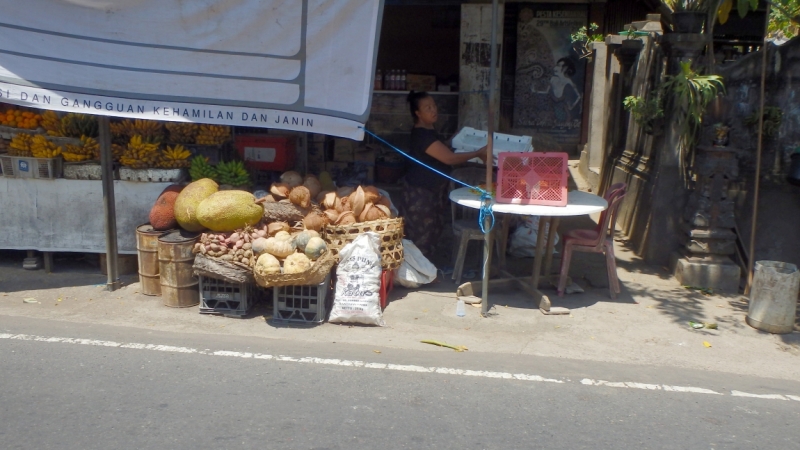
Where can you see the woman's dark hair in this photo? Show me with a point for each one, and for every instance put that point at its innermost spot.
(413, 99)
(569, 65)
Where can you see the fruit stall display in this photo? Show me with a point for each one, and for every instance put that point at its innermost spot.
(136, 144)
(279, 233)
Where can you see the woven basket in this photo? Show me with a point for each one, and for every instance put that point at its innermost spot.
(315, 275)
(389, 230)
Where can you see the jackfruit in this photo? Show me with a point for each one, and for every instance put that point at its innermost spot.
(229, 210)
(188, 200)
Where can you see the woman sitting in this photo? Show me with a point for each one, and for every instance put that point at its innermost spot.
(425, 192)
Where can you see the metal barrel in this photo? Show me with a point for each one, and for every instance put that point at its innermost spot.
(147, 247)
(179, 286)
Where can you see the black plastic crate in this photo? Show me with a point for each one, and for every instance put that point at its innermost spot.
(304, 304)
(226, 298)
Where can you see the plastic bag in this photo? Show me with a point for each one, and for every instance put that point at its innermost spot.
(523, 239)
(358, 282)
(416, 269)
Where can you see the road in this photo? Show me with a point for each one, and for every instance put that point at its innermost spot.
(73, 386)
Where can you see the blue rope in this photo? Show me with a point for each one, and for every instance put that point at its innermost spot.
(486, 197)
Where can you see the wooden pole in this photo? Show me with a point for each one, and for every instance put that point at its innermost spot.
(487, 238)
(109, 205)
(754, 220)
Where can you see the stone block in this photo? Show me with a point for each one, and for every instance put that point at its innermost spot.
(717, 273)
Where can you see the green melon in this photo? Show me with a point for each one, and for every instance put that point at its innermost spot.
(229, 210)
(188, 200)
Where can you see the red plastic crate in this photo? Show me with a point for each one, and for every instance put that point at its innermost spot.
(387, 284)
(532, 178)
(267, 152)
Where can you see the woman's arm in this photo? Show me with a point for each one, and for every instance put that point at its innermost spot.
(441, 152)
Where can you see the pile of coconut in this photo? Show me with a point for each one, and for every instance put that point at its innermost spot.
(342, 206)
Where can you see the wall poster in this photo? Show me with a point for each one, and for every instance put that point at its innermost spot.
(548, 93)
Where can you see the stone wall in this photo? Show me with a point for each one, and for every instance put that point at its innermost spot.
(778, 228)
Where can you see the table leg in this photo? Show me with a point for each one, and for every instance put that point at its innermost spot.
(502, 240)
(48, 262)
(551, 243)
(537, 262)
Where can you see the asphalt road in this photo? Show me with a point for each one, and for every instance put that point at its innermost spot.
(124, 388)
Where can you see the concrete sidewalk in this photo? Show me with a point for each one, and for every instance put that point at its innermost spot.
(647, 324)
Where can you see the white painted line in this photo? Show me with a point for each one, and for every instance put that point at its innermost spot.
(388, 366)
(283, 358)
(650, 387)
(766, 396)
(694, 390)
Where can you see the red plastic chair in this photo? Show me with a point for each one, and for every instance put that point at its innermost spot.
(598, 240)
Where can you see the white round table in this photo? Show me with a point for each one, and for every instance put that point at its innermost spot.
(578, 204)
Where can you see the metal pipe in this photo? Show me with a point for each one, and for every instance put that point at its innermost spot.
(487, 241)
(752, 257)
(109, 207)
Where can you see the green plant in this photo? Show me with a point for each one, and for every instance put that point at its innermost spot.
(773, 116)
(644, 112)
(582, 35)
(691, 93)
(690, 5)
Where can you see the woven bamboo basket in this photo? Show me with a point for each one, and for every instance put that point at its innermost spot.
(315, 275)
(389, 230)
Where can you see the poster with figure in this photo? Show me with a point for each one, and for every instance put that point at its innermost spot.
(548, 94)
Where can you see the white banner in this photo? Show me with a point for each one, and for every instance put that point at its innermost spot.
(304, 65)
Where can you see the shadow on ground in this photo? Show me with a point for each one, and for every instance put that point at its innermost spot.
(69, 270)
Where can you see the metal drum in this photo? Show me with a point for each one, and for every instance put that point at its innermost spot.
(179, 286)
(147, 246)
(773, 297)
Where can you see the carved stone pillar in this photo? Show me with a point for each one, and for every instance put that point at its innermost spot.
(708, 224)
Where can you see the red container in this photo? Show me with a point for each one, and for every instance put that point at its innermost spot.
(533, 178)
(267, 152)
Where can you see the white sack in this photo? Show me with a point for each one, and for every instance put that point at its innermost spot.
(523, 239)
(416, 269)
(357, 298)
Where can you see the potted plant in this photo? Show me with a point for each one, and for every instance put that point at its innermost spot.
(649, 114)
(688, 94)
(721, 133)
(631, 43)
(689, 16)
(583, 37)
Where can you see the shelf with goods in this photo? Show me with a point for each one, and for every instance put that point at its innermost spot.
(53, 145)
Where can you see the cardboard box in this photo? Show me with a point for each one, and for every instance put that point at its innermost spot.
(315, 152)
(416, 82)
(364, 172)
(365, 155)
(316, 167)
(344, 150)
(337, 170)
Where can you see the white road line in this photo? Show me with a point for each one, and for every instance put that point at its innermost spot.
(388, 366)
(766, 396)
(650, 387)
(307, 360)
